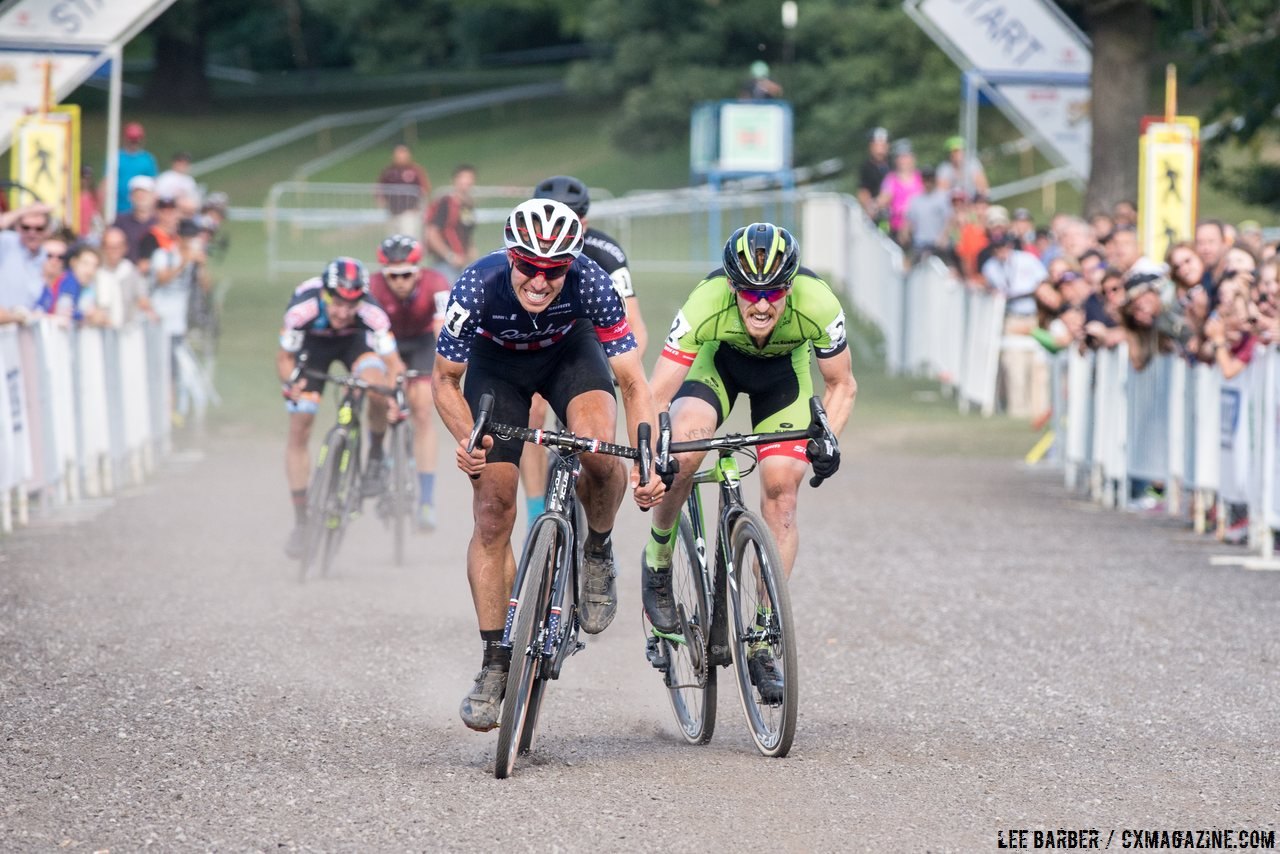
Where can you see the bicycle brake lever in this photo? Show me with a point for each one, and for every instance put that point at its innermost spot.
(665, 466)
(482, 421)
(645, 454)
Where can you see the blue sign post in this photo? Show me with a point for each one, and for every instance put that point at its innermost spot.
(731, 140)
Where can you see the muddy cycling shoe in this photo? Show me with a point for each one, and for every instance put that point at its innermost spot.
(374, 482)
(297, 542)
(763, 670)
(655, 592)
(599, 596)
(481, 708)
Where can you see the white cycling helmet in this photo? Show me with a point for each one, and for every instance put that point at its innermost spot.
(542, 229)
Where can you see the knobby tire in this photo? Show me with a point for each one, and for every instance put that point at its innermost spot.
(525, 662)
(691, 682)
(319, 497)
(759, 571)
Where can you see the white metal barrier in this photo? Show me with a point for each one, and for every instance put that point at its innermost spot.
(82, 411)
(1182, 425)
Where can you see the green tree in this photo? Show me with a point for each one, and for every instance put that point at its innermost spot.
(853, 67)
(1236, 55)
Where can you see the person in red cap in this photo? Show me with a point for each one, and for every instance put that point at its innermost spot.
(133, 160)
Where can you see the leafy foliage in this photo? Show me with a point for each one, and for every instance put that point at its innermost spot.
(852, 67)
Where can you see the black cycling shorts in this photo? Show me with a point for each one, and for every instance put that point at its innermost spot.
(418, 354)
(572, 366)
(324, 351)
(779, 387)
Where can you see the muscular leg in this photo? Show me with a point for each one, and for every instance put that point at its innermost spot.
(691, 418)
(604, 478)
(491, 566)
(533, 460)
(297, 459)
(424, 426)
(376, 411)
(780, 478)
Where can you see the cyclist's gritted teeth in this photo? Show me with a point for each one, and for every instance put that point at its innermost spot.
(536, 293)
(760, 316)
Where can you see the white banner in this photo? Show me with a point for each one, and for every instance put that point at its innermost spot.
(69, 23)
(1002, 37)
(72, 34)
(1060, 115)
(22, 82)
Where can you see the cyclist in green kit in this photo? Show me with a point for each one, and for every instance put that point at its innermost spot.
(749, 328)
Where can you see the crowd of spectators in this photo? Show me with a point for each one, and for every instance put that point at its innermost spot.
(152, 260)
(1080, 282)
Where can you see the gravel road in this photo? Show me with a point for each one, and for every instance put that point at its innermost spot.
(979, 653)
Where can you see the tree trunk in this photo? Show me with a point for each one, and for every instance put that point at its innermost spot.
(1121, 31)
(178, 80)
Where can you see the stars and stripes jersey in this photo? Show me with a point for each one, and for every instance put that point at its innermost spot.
(413, 316)
(606, 252)
(483, 302)
(812, 316)
(307, 316)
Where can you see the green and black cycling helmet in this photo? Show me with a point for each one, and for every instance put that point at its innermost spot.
(567, 190)
(761, 255)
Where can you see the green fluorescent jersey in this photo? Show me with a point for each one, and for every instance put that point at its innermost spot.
(812, 315)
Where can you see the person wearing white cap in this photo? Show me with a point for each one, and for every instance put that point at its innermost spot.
(137, 221)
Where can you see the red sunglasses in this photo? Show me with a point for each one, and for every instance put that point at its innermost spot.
(767, 294)
(530, 269)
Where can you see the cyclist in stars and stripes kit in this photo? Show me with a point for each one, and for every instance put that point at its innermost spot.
(540, 318)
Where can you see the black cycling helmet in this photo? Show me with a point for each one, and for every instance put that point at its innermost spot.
(567, 190)
(345, 278)
(761, 255)
(399, 249)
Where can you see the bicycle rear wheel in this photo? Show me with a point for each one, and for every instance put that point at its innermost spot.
(690, 681)
(402, 492)
(760, 610)
(526, 651)
(319, 500)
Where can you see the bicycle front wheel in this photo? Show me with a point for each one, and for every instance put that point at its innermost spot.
(526, 651)
(760, 609)
(319, 502)
(691, 683)
(345, 500)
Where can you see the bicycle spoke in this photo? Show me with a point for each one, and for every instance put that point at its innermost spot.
(691, 684)
(761, 613)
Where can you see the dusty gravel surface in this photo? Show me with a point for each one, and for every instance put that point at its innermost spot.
(979, 652)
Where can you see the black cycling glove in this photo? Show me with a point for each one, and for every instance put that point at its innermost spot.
(825, 456)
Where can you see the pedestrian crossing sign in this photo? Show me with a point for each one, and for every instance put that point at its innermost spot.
(45, 162)
(1168, 180)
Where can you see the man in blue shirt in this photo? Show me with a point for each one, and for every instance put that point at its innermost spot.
(133, 160)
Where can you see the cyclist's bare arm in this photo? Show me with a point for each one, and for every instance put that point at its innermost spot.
(667, 377)
(842, 389)
(453, 407)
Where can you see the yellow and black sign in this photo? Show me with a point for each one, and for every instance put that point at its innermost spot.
(45, 160)
(1168, 180)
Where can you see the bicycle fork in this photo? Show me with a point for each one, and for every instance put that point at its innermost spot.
(547, 641)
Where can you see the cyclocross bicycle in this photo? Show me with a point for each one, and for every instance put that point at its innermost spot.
(399, 504)
(734, 608)
(334, 495)
(542, 627)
